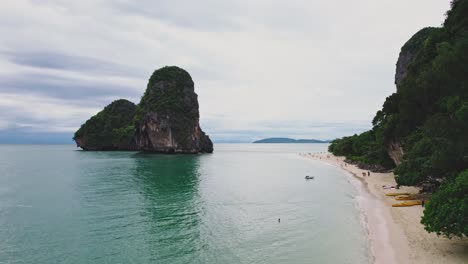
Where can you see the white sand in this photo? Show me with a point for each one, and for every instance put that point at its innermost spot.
(395, 233)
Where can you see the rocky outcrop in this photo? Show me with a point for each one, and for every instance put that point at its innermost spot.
(166, 120)
(404, 60)
(169, 118)
(395, 151)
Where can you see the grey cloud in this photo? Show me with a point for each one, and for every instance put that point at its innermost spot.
(212, 15)
(215, 15)
(60, 61)
(65, 88)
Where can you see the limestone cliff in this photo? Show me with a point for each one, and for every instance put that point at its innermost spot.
(168, 116)
(166, 120)
(408, 53)
(395, 151)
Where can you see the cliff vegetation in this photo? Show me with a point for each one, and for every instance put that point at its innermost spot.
(110, 129)
(427, 119)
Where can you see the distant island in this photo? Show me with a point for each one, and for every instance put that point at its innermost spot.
(290, 140)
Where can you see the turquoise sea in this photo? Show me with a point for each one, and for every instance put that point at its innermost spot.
(62, 205)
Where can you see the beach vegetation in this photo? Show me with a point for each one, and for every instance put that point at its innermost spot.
(447, 211)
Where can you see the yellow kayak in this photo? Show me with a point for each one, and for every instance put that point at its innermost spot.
(406, 197)
(410, 203)
(396, 194)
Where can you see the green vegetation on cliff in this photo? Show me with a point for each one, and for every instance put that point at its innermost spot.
(170, 92)
(428, 117)
(165, 93)
(111, 128)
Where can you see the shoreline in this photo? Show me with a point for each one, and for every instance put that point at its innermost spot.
(395, 234)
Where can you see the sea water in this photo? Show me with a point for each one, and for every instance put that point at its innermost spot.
(245, 203)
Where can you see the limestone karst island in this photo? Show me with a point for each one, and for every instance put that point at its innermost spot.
(333, 132)
(166, 120)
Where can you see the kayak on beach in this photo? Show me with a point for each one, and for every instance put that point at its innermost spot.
(397, 194)
(406, 197)
(404, 204)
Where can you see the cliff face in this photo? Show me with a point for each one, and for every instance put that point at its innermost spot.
(404, 59)
(409, 51)
(395, 151)
(166, 120)
(158, 133)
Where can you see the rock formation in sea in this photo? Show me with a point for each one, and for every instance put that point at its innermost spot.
(168, 117)
(166, 120)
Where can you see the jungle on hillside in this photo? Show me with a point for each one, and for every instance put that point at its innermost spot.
(427, 120)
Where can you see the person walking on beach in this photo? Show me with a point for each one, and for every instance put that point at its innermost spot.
(368, 173)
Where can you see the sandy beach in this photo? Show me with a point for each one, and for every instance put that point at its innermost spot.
(395, 233)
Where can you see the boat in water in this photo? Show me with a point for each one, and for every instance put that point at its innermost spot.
(309, 177)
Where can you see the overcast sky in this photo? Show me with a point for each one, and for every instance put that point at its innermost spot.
(303, 69)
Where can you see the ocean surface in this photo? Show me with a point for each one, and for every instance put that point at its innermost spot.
(62, 205)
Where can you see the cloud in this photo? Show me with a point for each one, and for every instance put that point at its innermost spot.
(65, 62)
(208, 15)
(42, 114)
(261, 68)
(63, 87)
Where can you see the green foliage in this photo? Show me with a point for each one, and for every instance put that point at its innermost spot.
(123, 135)
(418, 39)
(457, 19)
(165, 93)
(447, 211)
(365, 147)
(110, 128)
(428, 115)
